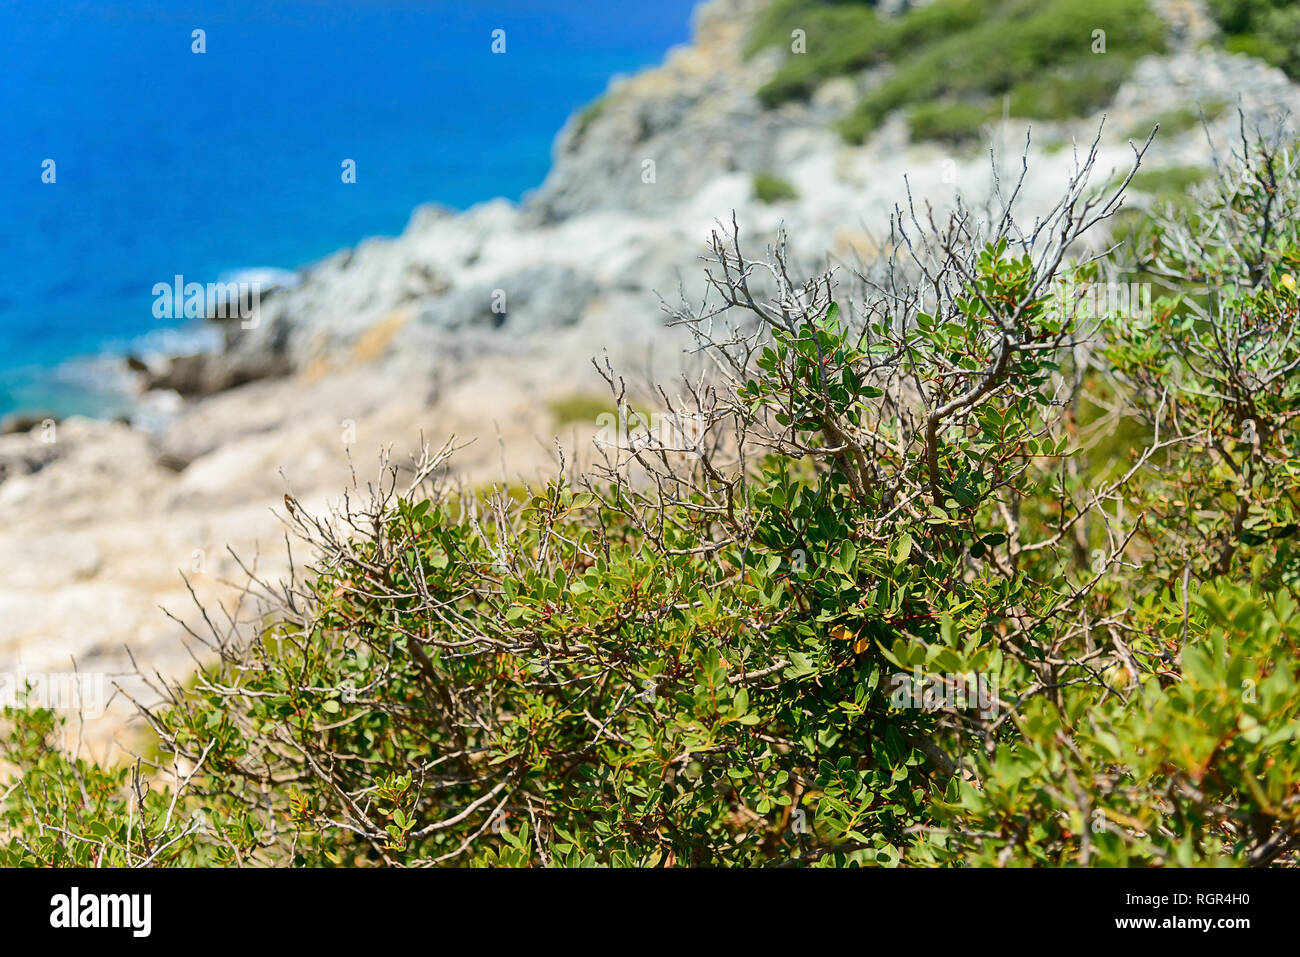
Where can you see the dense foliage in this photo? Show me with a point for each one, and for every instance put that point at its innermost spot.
(952, 62)
(1269, 29)
(896, 596)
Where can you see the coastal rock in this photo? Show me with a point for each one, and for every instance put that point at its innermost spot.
(657, 138)
(532, 300)
(25, 456)
(22, 422)
(205, 374)
(1209, 79)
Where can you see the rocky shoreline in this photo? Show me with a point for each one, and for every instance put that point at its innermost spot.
(480, 324)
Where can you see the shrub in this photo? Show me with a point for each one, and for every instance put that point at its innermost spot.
(1168, 183)
(1040, 53)
(1069, 91)
(589, 114)
(578, 407)
(1180, 120)
(841, 38)
(879, 610)
(773, 189)
(965, 50)
(949, 122)
(1269, 29)
(849, 36)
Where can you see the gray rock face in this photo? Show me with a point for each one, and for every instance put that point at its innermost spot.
(203, 374)
(24, 456)
(1193, 78)
(536, 299)
(657, 138)
(24, 422)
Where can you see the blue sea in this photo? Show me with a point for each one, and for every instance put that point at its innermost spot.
(168, 161)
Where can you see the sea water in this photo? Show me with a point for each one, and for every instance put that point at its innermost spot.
(169, 161)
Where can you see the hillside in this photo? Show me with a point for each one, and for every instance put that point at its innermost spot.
(397, 338)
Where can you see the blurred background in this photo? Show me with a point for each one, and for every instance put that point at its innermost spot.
(172, 162)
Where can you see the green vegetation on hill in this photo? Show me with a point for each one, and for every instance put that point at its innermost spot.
(1180, 120)
(947, 121)
(954, 60)
(578, 407)
(773, 189)
(848, 36)
(1168, 183)
(1268, 29)
(934, 614)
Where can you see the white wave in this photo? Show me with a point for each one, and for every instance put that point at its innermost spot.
(268, 277)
